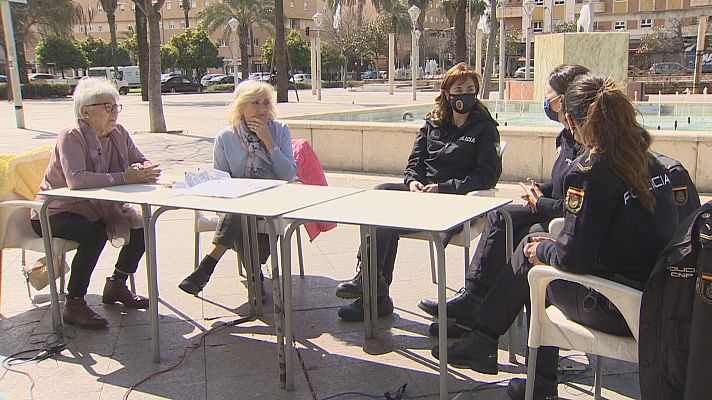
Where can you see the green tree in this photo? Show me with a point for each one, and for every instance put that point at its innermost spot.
(563, 27)
(169, 57)
(98, 53)
(195, 51)
(332, 58)
(215, 17)
(60, 52)
(46, 16)
(130, 44)
(297, 49)
(661, 44)
(372, 39)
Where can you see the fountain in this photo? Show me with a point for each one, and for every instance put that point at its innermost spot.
(660, 106)
(704, 101)
(506, 97)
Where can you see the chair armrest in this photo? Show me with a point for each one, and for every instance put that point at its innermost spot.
(556, 225)
(625, 298)
(31, 204)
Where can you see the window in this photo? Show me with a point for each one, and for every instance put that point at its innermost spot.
(306, 6)
(256, 41)
(99, 7)
(207, 3)
(222, 42)
(81, 28)
(539, 2)
(291, 3)
(294, 23)
(537, 26)
(558, 2)
(646, 23)
(619, 25)
(121, 7)
(182, 24)
(99, 28)
(193, 4)
(171, 25)
(168, 5)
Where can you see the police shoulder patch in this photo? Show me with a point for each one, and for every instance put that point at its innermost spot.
(574, 199)
(679, 194)
(705, 288)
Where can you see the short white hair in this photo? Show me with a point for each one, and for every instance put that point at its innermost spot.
(87, 92)
(247, 91)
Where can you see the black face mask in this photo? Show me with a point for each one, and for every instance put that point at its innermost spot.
(463, 103)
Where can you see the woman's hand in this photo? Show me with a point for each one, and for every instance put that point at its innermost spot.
(530, 249)
(431, 188)
(531, 195)
(139, 173)
(415, 186)
(259, 127)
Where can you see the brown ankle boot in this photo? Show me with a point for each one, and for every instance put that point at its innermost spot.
(78, 313)
(116, 290)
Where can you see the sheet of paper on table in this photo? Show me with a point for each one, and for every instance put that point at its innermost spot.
(231, 188)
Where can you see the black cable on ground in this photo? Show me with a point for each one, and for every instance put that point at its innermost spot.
(186, 352)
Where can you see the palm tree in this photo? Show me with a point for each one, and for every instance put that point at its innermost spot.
(398, 14)
(109, 7)
(50, 16)
(247, 13)
(155, 103)
(186, 10)
(456, 11)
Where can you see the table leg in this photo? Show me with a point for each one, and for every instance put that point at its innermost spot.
(256, 266)
(509, 246)
(47, 240)
(277, 296)
(437, 239)
(149, 237)
(287, 279)
(365, 281)
(373, 274)
(247, 260)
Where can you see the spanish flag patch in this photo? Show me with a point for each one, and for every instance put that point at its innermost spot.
(574, 199)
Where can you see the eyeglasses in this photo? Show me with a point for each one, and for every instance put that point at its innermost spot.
(109, 107)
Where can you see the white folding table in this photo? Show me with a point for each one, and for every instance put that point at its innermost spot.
(371, 209)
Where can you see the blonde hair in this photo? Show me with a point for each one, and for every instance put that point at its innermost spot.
(246, 92)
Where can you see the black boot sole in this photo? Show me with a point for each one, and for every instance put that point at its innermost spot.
(348, 294)
(474, 365)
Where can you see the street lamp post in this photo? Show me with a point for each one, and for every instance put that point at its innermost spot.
(233, 27)
(414, 13)
(528, 7)
(318, 19)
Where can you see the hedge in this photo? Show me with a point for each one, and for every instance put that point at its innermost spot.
(38, 90)
(227, 87)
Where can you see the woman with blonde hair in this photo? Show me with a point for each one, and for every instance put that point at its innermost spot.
(255, 145)
(456, 151)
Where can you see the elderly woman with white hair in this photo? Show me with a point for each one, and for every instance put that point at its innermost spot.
(254, 145)
(96, 152)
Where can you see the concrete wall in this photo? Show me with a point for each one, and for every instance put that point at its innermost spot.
(372, 147)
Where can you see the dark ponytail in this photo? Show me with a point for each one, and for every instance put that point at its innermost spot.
(608, 125)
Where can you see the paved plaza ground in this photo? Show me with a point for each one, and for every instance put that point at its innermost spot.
(240, 362)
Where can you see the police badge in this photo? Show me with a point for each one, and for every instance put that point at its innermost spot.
(705, 288)
(435, 134)
(574, 200)
(679, 193)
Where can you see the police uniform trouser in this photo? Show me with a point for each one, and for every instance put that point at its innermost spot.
(387, 238)
(489, 258)
(511, 292)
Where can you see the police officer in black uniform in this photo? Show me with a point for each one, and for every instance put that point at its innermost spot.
(456, 151)
(544, 202)
(619, 215)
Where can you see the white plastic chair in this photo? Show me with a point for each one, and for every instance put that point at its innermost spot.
(205, 223)
(470, 230)
(550, 327)
(16, 232)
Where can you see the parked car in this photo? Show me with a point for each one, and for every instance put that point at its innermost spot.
(667, 68)
(179, 84)
(3, 79)
(221, 80)
(301, 78)
(369, 75)
(207, 77)
(42, 77)
(521, 72)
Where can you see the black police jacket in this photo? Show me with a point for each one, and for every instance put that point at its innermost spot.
(607, 232)
(459, 160)
(674, 346)
(684, 192)
(551, 204)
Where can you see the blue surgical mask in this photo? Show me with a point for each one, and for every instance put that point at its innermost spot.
(551, 114)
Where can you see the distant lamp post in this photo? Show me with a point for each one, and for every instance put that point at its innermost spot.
(414, 13)
(233, 27)
(318, 19)
(528, 8)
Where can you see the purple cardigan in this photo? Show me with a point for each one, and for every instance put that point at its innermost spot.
(81, 160)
